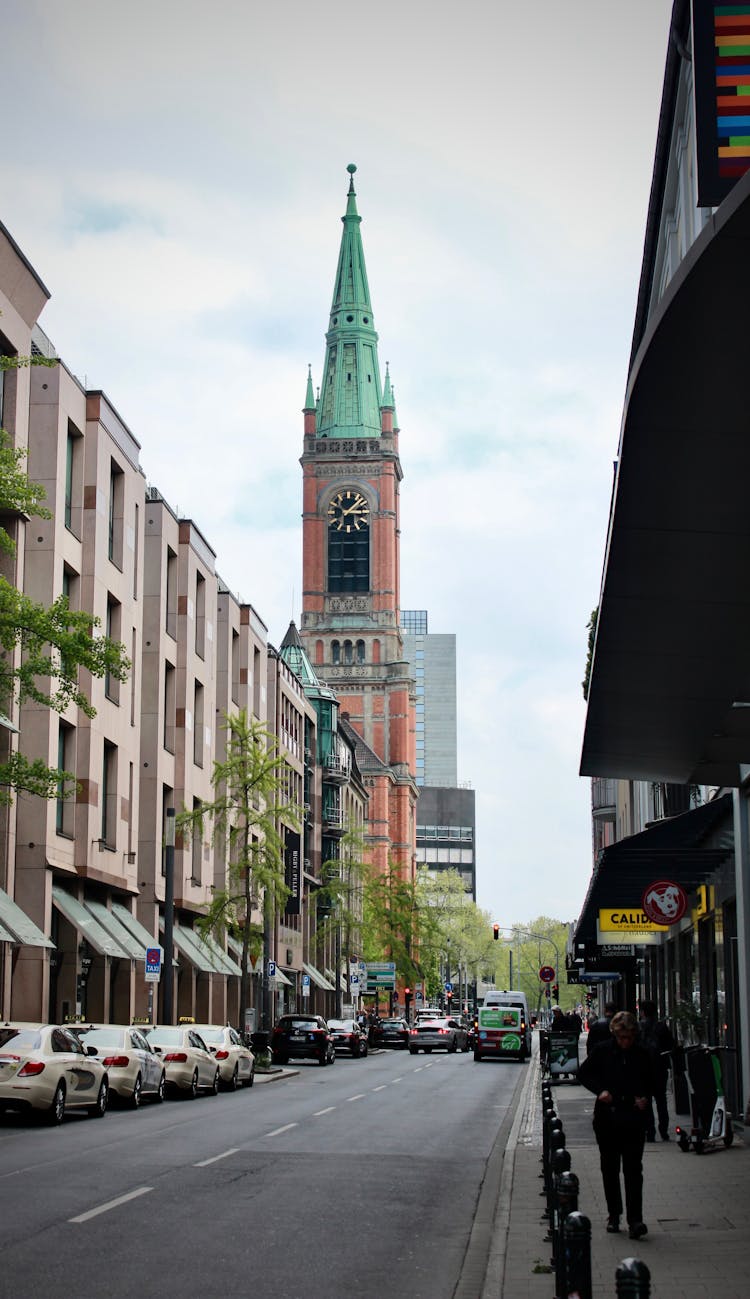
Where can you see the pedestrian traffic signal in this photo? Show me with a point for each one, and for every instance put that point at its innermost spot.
(556, 991)
(495, 932)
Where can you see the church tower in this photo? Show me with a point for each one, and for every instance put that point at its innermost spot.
(350, 553)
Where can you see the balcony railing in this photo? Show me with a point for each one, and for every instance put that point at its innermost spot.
(603, 795)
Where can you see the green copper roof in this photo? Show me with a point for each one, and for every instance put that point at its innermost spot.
(309, 395)
(350, 398)
(293, 653)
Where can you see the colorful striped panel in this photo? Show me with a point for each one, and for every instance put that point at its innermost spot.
(732, 49)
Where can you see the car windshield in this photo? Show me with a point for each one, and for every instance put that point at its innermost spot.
(214, 1035)
(393, 1023)
(167, 1036)
(101, 1037)
(298, 1023)
(342, 1024)
(23, 1039)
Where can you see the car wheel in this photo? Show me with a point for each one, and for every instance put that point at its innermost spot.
(56, 1111)
(135, 1099)
(453, 1046)
(323, 1059)
(477, 1055)
(161, 1090)
(332, 1056)
(364, 1050)
(249, 1081)
(428, 1050)
(192, 1090)
(98, 1110)
(413, 1050)
(234, 1081)
(215, 1084)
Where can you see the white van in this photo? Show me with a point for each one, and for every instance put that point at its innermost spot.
(513, 998)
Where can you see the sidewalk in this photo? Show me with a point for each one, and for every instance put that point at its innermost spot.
(696, 1208)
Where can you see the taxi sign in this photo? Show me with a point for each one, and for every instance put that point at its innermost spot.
(153, 958)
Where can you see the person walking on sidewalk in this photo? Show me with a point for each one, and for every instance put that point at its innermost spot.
(620, 1074)
(599, 1030)
(657, 1038)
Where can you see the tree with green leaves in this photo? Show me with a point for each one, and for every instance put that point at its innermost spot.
(245, 821)
(340, 902)
(42, 648)
(391, 921)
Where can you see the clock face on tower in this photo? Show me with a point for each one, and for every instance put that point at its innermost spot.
(348, 511)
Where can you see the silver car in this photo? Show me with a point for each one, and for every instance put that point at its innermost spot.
(188, 1063)
(236, 1061)
(44, 1067)
(134, 1068)
(438, 1035)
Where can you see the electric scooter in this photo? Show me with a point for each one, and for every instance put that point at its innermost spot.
(712, 1123)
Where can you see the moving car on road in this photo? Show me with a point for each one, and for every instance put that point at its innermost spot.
(439, 1035)
(44, 1067)
(394, 1032)
(348, 1036)
(189, 1065)
(133, 1067)
(236, 1061)
(302, 1037)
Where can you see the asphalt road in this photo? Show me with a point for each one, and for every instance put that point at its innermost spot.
(358, 1179)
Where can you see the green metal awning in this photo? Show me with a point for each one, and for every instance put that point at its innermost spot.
(280, 977)
(196, 951)
(17, 927)
(116, 929)
(134, 926)
(222, 958)
(318, 979)
(84, 921)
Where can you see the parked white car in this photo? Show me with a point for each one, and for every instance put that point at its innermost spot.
(236, 1061)
(133, 1066)
(44, 1067)
(189, 1065)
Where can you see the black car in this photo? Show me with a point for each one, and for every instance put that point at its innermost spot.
(302, 1037)
(394, 1032)
(348, 1036)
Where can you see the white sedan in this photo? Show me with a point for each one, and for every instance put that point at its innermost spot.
(134, 1068)
(236, 1061)
(44, 1067)
(189, 1065)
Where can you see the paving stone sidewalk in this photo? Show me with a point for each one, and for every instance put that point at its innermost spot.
(696, 1208)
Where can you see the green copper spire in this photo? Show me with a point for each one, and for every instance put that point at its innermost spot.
(309, 395)
(387, 392)
(350, 397)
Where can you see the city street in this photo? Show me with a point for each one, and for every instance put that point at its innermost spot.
(362, 1178)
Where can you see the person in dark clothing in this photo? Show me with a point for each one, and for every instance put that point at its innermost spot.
(620, 1074)
(657, 1038)
(599, 1031)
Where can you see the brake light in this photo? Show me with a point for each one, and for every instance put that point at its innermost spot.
(31, 1069)
(176, 1057)
(115, 1062)
(412, 1032)
(222, 1055)
(443, 1030)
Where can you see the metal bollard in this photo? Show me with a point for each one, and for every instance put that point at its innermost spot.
(567, 1203)
(556, 1142)
(576, 1255)
(560, 1165)
(549, 1115)
(632, 1280)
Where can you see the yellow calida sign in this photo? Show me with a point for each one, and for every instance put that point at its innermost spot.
(628, 920)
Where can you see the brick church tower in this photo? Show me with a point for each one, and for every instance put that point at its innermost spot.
(350, 555)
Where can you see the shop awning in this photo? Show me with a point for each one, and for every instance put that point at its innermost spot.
(134, 927)
(686, 849)
(190, 946)
(116, 929)
(669, 695)
(280, 977)
(318, 979)
(83, 920)
(17, 927)
(225, 962)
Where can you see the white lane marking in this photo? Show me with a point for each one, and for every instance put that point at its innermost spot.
(429, 1064)
(359, 1097)
(112, 1204)
(419, 1070)
(328, 1110)
(381, 1088)
(203, 1163)
(393, 1080)
(277, 1131)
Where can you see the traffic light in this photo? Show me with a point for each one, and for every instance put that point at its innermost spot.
(556, 991)
(496, 932)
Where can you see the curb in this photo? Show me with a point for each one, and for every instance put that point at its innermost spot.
(278, 1075)
(495, 1274)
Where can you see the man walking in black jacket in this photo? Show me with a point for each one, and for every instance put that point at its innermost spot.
(620, 1074)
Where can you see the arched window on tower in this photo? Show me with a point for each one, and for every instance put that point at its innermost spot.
(360, 651)
(319, 651)
(348, 658)
(349, 541)
(335, 651)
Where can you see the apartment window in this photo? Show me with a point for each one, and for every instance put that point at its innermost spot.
(198, 726)
(116, 512)
(170, 704)
(171, 601)
(109, 795)
(335, 651)
(73, 480)
(113, 631)
(360, 651)
(197, 845)
(347, 651)
(200, 615)
(235, 666)
(71, 587)
(66, 761)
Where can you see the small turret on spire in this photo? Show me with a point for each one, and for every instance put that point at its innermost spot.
(386, 406)
(310, 406)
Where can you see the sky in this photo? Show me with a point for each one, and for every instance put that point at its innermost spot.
(176, 174)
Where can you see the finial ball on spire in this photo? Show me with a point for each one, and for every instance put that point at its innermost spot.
(351, 168)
